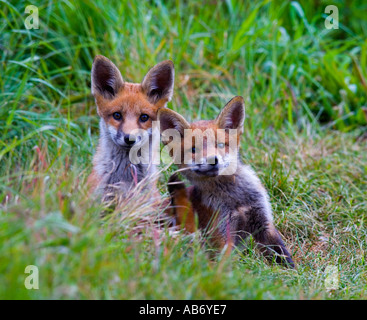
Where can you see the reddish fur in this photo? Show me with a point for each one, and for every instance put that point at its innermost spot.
(131, 101)
(222, 213)
(186, 206)
(184, 213)
(184, 200)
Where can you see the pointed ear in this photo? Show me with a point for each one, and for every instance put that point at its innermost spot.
(169, 119)
(106, 78)
(158, 82)
(233, 115)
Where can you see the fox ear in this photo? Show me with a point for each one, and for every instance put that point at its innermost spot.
(233, 114)
(106, 78)
(169, 119)
(158, 82)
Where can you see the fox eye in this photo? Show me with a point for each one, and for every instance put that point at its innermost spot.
(117, 116)
(144, 117)
(220, 145)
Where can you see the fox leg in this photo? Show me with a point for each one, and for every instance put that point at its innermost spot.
(182, 208)
(270, 241)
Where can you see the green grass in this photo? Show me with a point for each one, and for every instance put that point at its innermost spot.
(305, 135)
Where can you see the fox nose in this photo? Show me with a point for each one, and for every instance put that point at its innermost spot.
(129, 139)
(212, 160)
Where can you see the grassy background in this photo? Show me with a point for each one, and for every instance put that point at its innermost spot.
(305, 134)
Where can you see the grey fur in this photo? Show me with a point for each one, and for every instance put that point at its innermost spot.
(235, 204)
(242, 206)
(114, 172)
(114, 165)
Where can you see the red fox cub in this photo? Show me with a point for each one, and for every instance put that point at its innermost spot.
(229, 204)
(126, 112)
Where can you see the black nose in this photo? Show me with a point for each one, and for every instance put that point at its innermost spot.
(129, 139)
(212, 160)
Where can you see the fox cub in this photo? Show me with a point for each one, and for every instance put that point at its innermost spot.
(229, 204)
(125, 109)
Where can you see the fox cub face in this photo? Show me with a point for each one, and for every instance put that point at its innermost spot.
(128, 109)
(205, 148)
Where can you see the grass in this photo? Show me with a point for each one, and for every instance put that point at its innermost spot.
(305, 135)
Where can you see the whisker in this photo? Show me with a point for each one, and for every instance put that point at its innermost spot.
(188, 168)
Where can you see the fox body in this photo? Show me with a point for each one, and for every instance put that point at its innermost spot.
(229, 206)
(126, 112)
